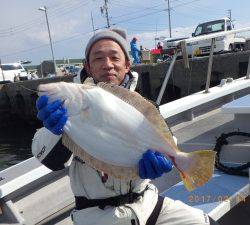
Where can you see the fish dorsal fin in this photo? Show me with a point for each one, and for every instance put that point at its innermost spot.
(143, 106)
(119, 172)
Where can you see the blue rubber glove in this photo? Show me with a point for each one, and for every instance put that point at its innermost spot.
(153, 164)
(53, 115)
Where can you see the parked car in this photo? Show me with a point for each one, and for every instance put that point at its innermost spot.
(225, 43)
(12, 72)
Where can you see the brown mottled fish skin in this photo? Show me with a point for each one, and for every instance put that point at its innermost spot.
(143, 106)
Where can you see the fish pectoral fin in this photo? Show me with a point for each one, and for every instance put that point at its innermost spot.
(199, 170)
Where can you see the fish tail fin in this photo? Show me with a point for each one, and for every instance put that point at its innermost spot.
(199, 169)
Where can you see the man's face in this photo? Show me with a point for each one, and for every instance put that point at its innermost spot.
(107, 62)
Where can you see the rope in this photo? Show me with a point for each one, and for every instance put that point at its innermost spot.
(235, 170)
(29, 89)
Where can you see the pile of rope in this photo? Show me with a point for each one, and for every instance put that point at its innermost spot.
(240, 170)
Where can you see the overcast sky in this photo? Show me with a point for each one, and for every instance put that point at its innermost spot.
(24, 35)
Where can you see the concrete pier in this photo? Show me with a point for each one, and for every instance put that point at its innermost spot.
(183, 82)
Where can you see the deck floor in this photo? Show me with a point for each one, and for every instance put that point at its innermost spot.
(202, 134)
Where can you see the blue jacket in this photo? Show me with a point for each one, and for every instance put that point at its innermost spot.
(133, 46)
(135, 51)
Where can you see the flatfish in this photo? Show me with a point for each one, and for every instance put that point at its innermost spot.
(110, 127)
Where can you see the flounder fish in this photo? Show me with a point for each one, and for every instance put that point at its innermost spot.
(110, 127)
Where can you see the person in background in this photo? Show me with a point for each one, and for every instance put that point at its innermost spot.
(160, 46)
(100, 198)
(81, 75)
(135, 51)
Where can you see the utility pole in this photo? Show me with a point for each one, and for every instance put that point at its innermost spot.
(229, 11)
(169, 19)
(92, 21)
(105, 7)
(44, 9)
(41, 69)
(2, 70)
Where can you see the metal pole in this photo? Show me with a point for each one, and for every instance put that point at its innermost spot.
(169, 20)
(229, 14)
(248, 69)
(51, 47)
(156, 28)
(2, 70)
(92, 21)
(210, 64)
(107, 14)
(164, 84)
(42, 69)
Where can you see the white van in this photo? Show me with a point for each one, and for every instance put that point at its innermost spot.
(12, 72)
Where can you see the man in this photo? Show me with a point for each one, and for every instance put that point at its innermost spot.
(135, 51)
(101, 199)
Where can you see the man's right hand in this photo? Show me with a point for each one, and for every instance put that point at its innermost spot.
(53, 115)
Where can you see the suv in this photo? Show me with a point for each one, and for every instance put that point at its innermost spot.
(12, 72)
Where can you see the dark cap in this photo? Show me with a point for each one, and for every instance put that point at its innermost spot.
(117, 35)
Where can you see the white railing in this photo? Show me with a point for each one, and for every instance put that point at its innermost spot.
(189, 102)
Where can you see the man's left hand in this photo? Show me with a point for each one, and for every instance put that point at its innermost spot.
(153, 164)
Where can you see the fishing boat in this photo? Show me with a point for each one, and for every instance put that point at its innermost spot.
(216, 118)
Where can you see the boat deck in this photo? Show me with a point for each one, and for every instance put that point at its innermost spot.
(201, 133)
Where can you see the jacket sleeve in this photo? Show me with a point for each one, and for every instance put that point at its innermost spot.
(49, 150)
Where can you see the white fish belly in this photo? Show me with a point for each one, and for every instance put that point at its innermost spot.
(113, 131)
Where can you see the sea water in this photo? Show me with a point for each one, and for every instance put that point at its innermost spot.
(15, 142)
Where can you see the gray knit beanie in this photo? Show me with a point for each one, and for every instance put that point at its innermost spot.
(117, 35)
